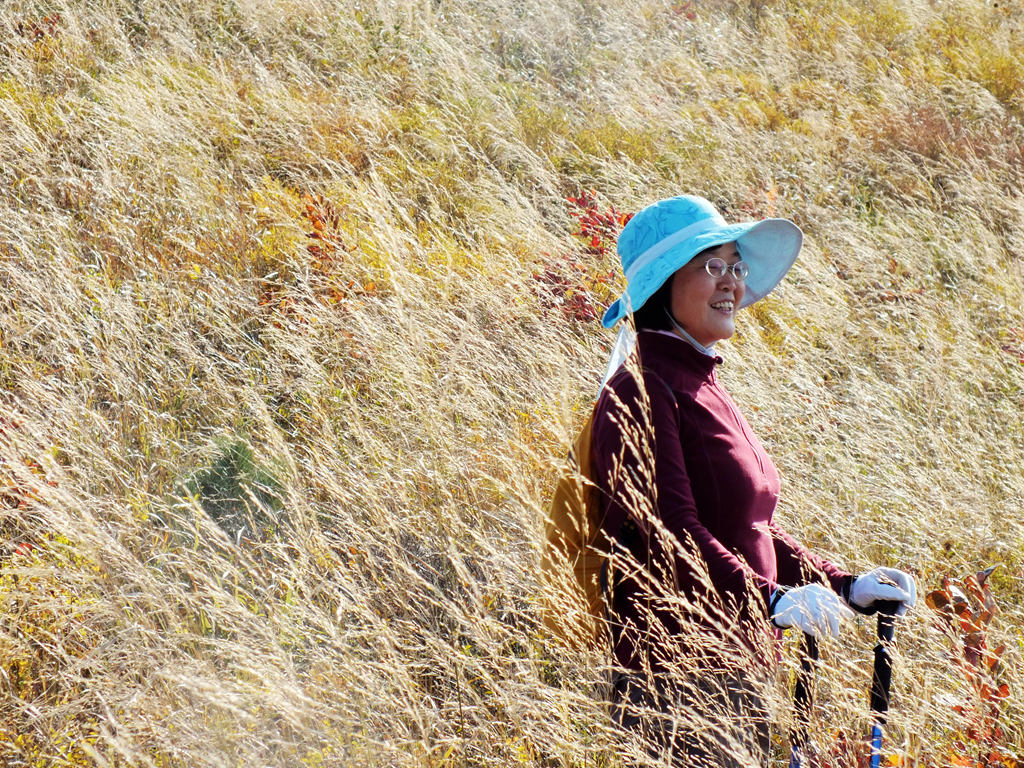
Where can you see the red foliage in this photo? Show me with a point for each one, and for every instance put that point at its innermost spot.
(684, 8)
(326, 234)
(965, 609)
(14, 494)
(597, 230)
(327, 242)
(38, 30)
(18, 491)
(570, 283)
(564, 286)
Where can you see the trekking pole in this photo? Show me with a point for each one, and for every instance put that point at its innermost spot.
(803, 699)
(881, 678)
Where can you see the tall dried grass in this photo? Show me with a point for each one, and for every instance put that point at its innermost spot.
(282, 405)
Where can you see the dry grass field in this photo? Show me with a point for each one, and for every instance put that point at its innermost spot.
(296, 327)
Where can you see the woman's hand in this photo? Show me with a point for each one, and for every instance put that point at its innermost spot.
(879, 585)
(813, 608)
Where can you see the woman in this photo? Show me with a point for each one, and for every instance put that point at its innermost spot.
(697, 566)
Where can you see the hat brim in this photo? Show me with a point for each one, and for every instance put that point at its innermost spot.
(769, 247)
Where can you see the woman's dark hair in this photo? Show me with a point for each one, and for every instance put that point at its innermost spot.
(652, 315)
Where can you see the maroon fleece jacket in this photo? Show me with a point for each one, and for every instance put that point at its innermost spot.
(682, 475)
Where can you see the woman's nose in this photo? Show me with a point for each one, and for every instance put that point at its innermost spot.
(728, 279)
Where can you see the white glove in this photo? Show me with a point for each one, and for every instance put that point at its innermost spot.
(882, 584)
(814, 608)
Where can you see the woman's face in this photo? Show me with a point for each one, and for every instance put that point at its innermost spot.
(703, 305)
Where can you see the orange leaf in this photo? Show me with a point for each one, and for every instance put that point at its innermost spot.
(992, 659)
(975, 585)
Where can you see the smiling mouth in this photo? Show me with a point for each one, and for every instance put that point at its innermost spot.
(724, 306)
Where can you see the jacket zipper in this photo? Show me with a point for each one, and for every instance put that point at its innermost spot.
(739, 424)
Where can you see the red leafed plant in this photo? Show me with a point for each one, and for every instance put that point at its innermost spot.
(572, 284)
(326, 235)
(38, 30)
(684, 8)
(326, 244)
(597, 229)
(965, 608)
(21, 487)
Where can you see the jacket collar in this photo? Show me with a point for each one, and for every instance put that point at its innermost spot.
(674, 359)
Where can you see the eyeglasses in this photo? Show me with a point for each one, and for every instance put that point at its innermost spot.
(717, 268)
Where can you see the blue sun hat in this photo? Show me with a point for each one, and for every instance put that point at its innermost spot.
(664, 236)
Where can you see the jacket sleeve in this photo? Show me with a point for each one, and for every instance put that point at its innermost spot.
(798, 565)
(641, 471)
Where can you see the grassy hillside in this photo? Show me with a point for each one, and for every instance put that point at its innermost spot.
(294, 333)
